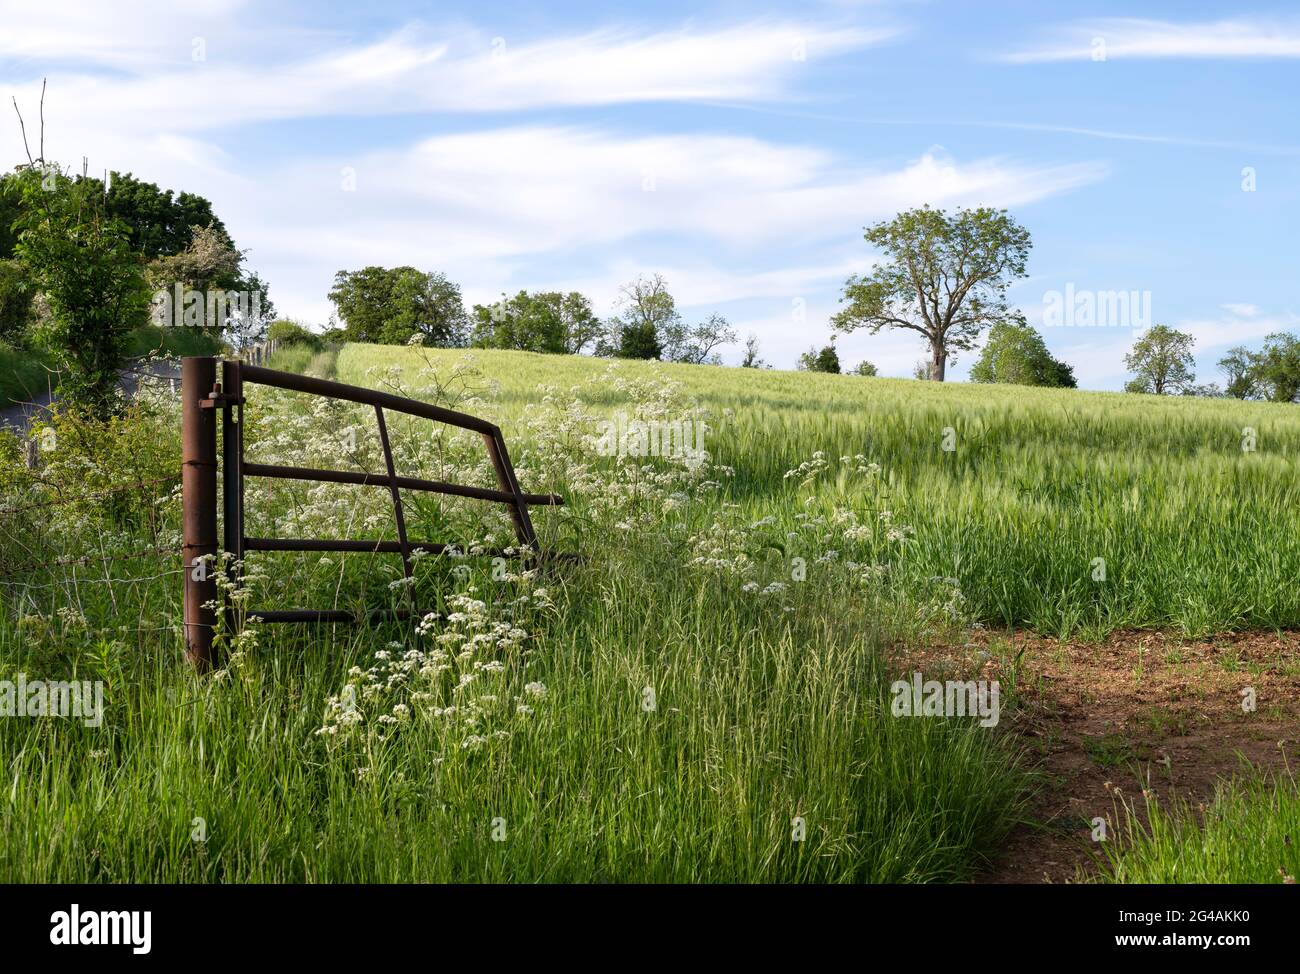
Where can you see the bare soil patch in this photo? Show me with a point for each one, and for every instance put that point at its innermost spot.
(1142, 710)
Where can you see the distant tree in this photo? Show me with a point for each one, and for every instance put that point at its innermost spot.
(1276, 368)
(428, 305)
(288, 332)
(648, 325)
(825, 360)
(639, 342)
(392, 305)
(695, 344)
(865, 368)
(208, 262)
(944, 277)
(1238, 366)
(334, 333)
(581, 325)
(751, 359)
(645, 308)
(1209, 390)
(253, 283)
(1016, 354)
(210, 265)
(543, 321)
(1162, 359)
(81, 258)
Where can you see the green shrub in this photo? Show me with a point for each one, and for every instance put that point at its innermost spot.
(15, 302)
(291, 333)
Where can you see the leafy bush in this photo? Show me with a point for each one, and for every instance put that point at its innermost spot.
(16, 296)
(81, 258)
(287, 332)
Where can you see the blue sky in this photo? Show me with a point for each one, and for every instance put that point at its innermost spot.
(738, 149)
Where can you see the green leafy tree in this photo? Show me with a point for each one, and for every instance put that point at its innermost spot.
(1277, 367)
(391, 305)
(866, 368)
(15, 302)
(11, 196)
(1162, 359)
(208, 262)
(695, 344)
(639, 341)
(824, 360)
(944, 277)
(81, 258)
(161, 222)
(288, 332)
(1016, 354)
(209, 265)
(1238, 367)
(543, 321)
(645, 311)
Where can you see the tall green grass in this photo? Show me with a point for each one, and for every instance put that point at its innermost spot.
(1197, 534)
(690, 730)
(1250, 833)
(768, 752)
(754, 727)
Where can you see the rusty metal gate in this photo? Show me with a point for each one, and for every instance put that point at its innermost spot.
(203, 395)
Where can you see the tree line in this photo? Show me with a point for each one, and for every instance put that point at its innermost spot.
(82, 259)
(400, 305)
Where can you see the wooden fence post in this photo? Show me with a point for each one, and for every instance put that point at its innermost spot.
(199, 506)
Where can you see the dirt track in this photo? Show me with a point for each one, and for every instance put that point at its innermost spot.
(1142, 710)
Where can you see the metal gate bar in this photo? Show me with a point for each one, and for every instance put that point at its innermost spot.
(202, 395)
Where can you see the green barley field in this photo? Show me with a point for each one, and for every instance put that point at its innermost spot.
(702, 696)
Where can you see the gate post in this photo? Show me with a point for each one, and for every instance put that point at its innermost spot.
(199, 506)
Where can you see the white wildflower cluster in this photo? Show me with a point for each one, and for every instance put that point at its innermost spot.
(632, 494)
(809, 470)
(725, 548)
(459, 679)
(860, 536)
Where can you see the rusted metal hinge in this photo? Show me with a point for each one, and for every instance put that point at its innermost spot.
(219, 400)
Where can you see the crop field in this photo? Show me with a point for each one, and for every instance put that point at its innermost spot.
(705, 694)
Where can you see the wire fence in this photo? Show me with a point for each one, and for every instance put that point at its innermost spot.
(65, 578)
(30, 587)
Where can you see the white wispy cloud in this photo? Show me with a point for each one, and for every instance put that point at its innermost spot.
(480, 205)
(129, 36)
(734, 221)
(1240, 324)
(411, 70)
(1128, 37)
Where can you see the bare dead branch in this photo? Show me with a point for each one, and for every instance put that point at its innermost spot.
(24, 131)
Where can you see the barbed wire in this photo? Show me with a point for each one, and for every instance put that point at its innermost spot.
(90, 559)
(91, 580)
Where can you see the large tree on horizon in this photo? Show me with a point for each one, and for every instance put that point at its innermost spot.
(944, 277)
(1162, 359)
